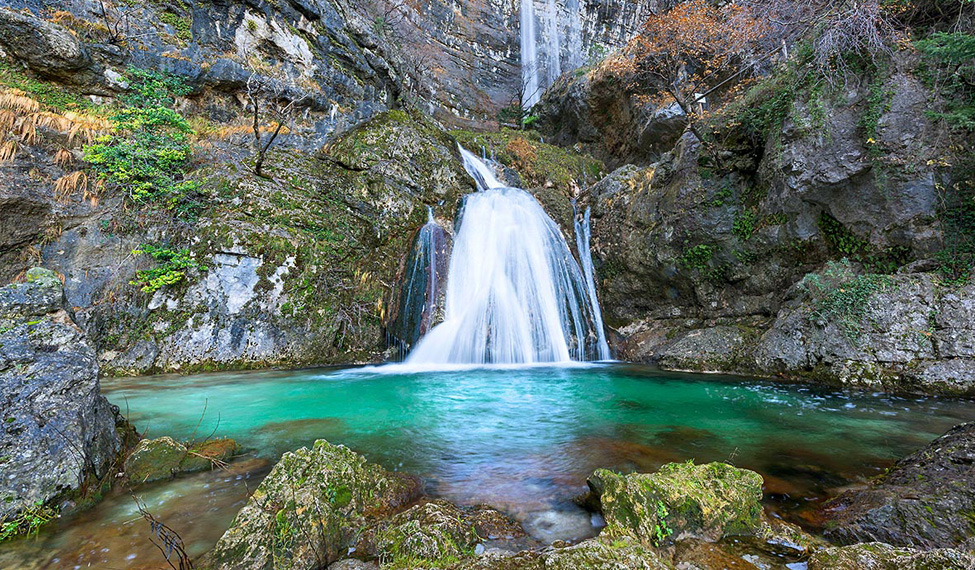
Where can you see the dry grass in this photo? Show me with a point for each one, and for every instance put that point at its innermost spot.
(22, 115)
(63, 157)
(8, 150)
(69, 184)
(17, 100)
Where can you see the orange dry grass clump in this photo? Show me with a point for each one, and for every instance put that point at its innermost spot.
(22, 116)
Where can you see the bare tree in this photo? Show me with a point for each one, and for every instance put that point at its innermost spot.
(270, 103)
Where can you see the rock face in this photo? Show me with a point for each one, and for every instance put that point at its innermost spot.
(924, 501)
(680, 501)
(49, 49)
(880, 556)
(733, 259)
(307, 511)
(58, 431)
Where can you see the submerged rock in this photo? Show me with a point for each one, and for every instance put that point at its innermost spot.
(879, 556)
(307, 512)
(926, 500)
(162, 458)
(58, 430)
(154, 459)
(681, 500)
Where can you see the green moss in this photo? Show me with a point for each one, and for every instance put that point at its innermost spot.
(55, 96)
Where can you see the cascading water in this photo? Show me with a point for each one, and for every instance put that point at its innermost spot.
(423, 281)
(515, 294)
(585, 257)
(529, 56)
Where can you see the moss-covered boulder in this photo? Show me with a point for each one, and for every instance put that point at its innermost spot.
(154, 459)
(306, 513)
(203, 456)
(880, 556)
(681, 500)
(432, 535)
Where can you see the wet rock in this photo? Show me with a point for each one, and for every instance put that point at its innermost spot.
(681, 500)
(705, 350)
(154, 459)
(699, 555)
(48, 49)
(309, 509)
(880, 556)
(926, 500)
(208, 454)
(57, 430)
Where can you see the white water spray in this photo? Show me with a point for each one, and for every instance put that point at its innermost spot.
(515, 294)
(585, 256)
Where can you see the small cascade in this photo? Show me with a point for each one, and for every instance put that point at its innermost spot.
(514, 294)
(420, 295)
(529, 56)
(585, 257)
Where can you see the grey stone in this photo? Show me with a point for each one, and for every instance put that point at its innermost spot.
(57, 430)
(48, 49)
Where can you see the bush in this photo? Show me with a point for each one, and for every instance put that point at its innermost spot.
(171, 268)
(841, 296)
(148, 153)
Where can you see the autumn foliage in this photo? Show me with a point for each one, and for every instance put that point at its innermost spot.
(692, 51)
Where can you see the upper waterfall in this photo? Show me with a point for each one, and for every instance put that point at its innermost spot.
(514, 294)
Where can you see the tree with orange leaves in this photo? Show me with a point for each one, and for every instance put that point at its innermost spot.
(693, 50)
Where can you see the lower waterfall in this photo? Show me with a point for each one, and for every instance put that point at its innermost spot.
(514, 294)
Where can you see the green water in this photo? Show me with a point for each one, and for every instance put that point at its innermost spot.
(526, 439)
(522, 440)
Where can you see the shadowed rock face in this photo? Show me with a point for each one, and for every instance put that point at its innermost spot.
(925, 501)
(57, 428)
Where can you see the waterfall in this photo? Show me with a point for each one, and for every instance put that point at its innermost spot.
(553, 50)
(422, 285)
(514, 293)
(529, 56)
(585, 256)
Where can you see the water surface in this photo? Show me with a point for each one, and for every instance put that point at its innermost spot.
(522, 440)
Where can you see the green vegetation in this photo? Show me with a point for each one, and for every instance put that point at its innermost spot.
(539, 164)
(56, 97)
(697, 257)
(660, 529)
(147, 155)
(951, 71)
(28, 522)
(746, 222)
(182, 25)
(841, 296)
(171, 268)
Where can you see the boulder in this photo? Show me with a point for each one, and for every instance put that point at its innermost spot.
(154, 459)
(435, 534)
(880, 556)
(58, 431)
(681, 500)
(307, 512)
(48, 49)
(926, 500)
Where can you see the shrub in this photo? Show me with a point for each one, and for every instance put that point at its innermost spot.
(841, 296)
(171, 268)
(149, 150)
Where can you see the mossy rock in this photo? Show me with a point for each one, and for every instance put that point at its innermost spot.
(43, 277)
(681, 500)
(432, 535)
(881, 556)
(204, 456)
(154, 459)
(308, 511)
(622, 553)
